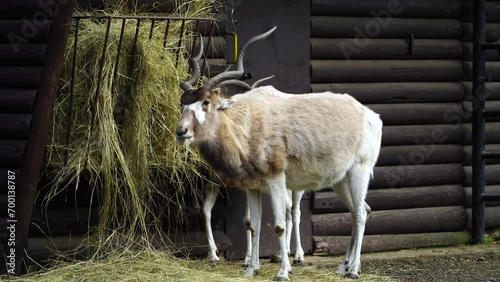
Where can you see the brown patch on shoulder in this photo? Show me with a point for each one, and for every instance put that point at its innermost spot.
(194, 95)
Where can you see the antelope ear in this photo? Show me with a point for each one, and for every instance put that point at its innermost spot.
(225, 104)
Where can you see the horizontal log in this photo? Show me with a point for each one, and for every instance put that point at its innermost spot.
(400, 8)
(491, 175)
(369, 27)
(20, 77)
(420, 113)
(403, 221)
(17, 100)
(325, 71)
(12, 152)
(492, 32)
(337, 245)
(427, 134)
(406, 175)
(14, 126)
(488, 147)
(4, 172)
(397, 92)
(491, 189)
(492, 70)
(24, 32)
(492, 90)
(14, 9)
(421, 154)
(491, 217)
(22, 55)
(349, 48)
(398, 198)
(492, 12)
(489, 54)
(492, 133)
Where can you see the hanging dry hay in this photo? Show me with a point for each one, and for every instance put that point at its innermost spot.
(123, 131)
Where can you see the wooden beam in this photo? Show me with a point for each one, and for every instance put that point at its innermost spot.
(491, 175)
(417, 175)
(328, 71)
(44, 104)
(17, 100)
(12, 152)
(397, 92)
(368, 28)
(20, 77)
(488, 147)
(17, 32)
(491, 218)
(422, 154)
(397, 198)
(402, 221)
(492, 133)
(490, 189)
(421, 113)
(400, 8)
(489, 54)
(492, 31)
(348, 48)
(427, 134)
(337, 245)
(14, 126)
(492, 12)
(492, 90)
(25, 55)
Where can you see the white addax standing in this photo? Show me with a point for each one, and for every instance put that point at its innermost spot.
(267, 141)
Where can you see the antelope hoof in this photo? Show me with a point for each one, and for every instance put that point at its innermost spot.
(252, 272)
(352, 275)
(298, 262)
(275, 259)
(342, 268)
(213, 262)
(281, 278)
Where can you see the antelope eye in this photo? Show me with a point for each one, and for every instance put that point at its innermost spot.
(206, 102)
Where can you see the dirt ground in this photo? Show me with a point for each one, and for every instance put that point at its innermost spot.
(458, 263)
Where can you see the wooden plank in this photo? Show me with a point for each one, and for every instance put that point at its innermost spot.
(14, 126)
(489, 54)
(20, 77)
(402, 221)
(25, 55)
(492, 70)
(368, 27)
(17, 100)
(488, 147)
(491, 175)
(492, 12)
(350, 48)
(12, 153)
(491, 217)
(397, 92)
(400, 8)
(397, 198)
(44, 103)
(492, 133)
(421, 154)
(490, 189)
(492, 32)
(327, 71)
(337, 245)
(15, 9)
(18, 32)
(406, 175)
(492, 90)
(423, 134)
(420, 113)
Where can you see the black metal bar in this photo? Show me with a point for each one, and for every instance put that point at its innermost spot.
(412, 44)
(120, 41)
(478, 122)
(158, 18)
(165, 37)
(491, 155)
(181, 34)
(71, 93)
(152, 28)
(195, 38)
(98, 90)
(209, 41)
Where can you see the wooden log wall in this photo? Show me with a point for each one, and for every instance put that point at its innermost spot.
(409, 61)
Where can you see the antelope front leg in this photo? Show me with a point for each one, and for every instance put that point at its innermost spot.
(255, 209)
(210, 199)
(280, 202)
(299, 252)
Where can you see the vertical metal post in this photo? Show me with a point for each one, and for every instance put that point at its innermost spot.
(478, 122)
